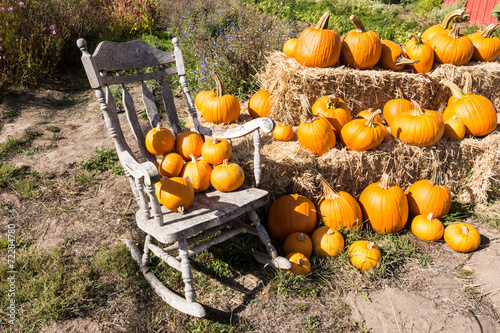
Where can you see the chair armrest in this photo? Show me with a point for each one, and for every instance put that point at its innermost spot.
(138, 170)
(265, 124)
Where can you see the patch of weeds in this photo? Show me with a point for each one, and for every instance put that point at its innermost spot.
(302, 307)
(282, 282)
(492, 221)
(310, 323)
(209, 325)
(360, 327)
(17, 145)
(425, 260)
(86, 176)
(56, 138)
(9, 114)
(102, 160)
(219, 268)
(53, 129)
(21, 181)
(464, 273)
(458, 212)
(9, 173)
(70, 241)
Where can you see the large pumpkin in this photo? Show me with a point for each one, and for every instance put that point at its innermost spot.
(475, 111)
(462, 237)
(361, 48)
(416, 48)
(445, 25)
(289, 47)
(339, 210)
(395, 106)
(452, 47)
(291, 213)
(364, 255)
(260, 104)
(159, 140)
(384, 206)
(421, 128)
(175, 193)
(486, 47)
(298, 242)
(427, 227)
(318, 46)
(227, 177)
(334, 109)
(215, 151)
(202, 97)
(361, 134)
(222, 108)
(392, 56)
(198, 172)
(188, 143)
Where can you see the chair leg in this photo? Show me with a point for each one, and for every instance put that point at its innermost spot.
(187, 276)
(147, 252)
(272, 259)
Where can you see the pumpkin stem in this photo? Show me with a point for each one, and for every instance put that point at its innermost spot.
(158, 127)
(455, 90)
(371, 245)
(405, 61)
(455, 32)
(430, 217)
(221, 91)
(332, 101)
(193, 159)
(360, 28)
(399, 92)
(330, 193)
(418, 40)
(304, 102)
(300, 237)
(371, 121)
(214, 141)
(436, 176)
(465, 230)
(416, 109)
(180, 209)
(323, 21)
(330, 232)
(448, 20)
(489, 30)
(225, 162)
(468, 84)
(384, 181)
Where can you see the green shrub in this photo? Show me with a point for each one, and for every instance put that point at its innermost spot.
(129, 17)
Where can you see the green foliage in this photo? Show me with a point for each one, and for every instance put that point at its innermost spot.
(438, 13)
(129, 17)
(53, 129)
(9, 114)
(17, 145)
(458, 213)
(310, 323)
(102, 160)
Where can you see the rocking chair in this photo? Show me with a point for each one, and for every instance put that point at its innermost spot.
(212, 211)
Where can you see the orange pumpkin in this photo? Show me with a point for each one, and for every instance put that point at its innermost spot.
(283, 132)
(175, 193)
(392, 56)
(159, 140)
(227, 177)
(216, 150)
(291, 213)
(198, 172)
(421, 128)
(367, 114)
(188, 143)
(384, 206)
(486, 47)
(445, 25)
(395, 106)
(454, 128)
(327, 242)
(298, 242)
(289, 47)
(221, 109)
(300, 263)
(364, 255)
(338, 210)
(202, 97)
(318, 46)
(362, 134)
(452, 47)
(467, 89)
(171, 165)
(427, 228)
(416, 48)
(360, 48)
(334, 109)
(462, 237)
(475, 111)
(260, 104)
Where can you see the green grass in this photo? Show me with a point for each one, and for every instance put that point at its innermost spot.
(103, 160)
(53, 129)
(9, 114)
(18, 145)
(21, 181)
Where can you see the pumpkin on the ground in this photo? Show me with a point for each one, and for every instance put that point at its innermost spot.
(462, 237)
(300, 263)
(427, 227)
(198, 172)
(221, 108)
(298, 242)
(362, 135)
(159, 140)
(365, 255)
(327, 242)
(334, 109)
(291, 213)
(227, 177)
(215, 151)
(283, 132)
(175, 193)
(361, 48)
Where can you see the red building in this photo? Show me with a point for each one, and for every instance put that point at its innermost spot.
(479, 10)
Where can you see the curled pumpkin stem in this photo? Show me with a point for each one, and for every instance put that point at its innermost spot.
(330, 193)
(418, 40)
(330, 232)
(371, 121)
(221, 91)
(360, 28)
(323, 21)
(384, 181)
(448, 20)
(489, 30)
(468, 84)
(180, 209)
(455, 90)
(416, 109)
(306, 106)
(405, 61)
(455, 32)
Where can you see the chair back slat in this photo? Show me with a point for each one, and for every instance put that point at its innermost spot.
(113, 123)
(114, 56)
(168, 101)
(148, 100)
(128, 104)
(138, 77)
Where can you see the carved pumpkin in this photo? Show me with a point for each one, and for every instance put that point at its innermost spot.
(421, 128)
(283, 132)
(316, 135)
(300, 264)
(454, 128)
(462, 237)
(327, 242)
(175, 193)
(334, 109)
(298, 242)
(445, 25)
(364, 255)
(416, 48)
(289, 47)
(227, 177)
(215, 151)
(188, 143)
(202, 97)
(260, 104)
(338, 210)
(429, 196)
(385, 207)
(171, 165)
(475, 111)
(360, 48)
(361, 134)
(452, 47)
(427, 228)
(291, 213)
(367, 114)
(198, 172)
(486, 47)
(159, 140)
(392, 56)
(318, 46)
(395, 106)
(221, 109)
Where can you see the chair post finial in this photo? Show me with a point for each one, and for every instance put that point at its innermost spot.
(82, 45)
(175, 41)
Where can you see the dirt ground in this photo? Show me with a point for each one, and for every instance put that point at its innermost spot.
(432, 298)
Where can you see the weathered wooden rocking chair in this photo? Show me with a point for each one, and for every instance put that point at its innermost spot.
(212, 211)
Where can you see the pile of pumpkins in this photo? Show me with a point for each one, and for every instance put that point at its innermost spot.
(192, 167)
(292, 218)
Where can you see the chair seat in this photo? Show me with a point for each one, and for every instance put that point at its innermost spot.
(209, 209)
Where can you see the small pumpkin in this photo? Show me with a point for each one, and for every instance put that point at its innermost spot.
(392, 56)
(367, 114)
(289, 47)
(221, 109)
(339, 210)
(187, 144)
(198, 172)
(361, 134)
(452, 47)
(283, 132)
(395, 106)
(171, 165)
(421, 128)
(427, 228)
(291, 213)
(318, 46)
(300, 264)
(327, 242)
(334, 109)
(365, 255)
(445, 25)
(384, 206)
(462, 237)
(361, 48)
(317, 135)
(486, 47)
(416, 48)
(298, 242)
(202, 97)
(215, 151)
(454, 128)
(260, 104)
(175, 193)
(159, 140)
(227, 177)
